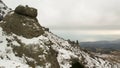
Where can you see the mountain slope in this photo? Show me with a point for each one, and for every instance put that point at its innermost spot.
(3, 9)
(42, 48)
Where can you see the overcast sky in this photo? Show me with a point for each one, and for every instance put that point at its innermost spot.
(85, 20)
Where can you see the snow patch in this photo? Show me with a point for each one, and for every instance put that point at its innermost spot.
(12, 64)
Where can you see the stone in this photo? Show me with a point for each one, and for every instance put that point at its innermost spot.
(27, 11)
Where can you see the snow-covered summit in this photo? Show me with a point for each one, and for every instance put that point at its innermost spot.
(46, 50)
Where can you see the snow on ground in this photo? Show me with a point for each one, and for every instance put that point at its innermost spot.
(12, 64)
(64, 49)
(6, 51)
(65, 52)
(3, 42)
(4, 9)
(65, 55)
(34, 40)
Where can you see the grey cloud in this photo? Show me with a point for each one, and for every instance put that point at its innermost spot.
(74, 12)
(84, 36)
(86, 27)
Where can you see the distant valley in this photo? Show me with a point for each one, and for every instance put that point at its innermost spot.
(109, 50)
(102, 46)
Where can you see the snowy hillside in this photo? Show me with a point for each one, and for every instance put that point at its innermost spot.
(19, 48)
(66, 53)
(3, 9)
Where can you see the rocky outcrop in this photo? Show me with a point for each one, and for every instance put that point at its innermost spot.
(23, 22)
(27, 11)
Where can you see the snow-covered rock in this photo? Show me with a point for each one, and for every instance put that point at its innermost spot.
(3, 9)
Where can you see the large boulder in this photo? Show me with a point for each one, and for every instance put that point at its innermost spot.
(25, 10)
(22, 24)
